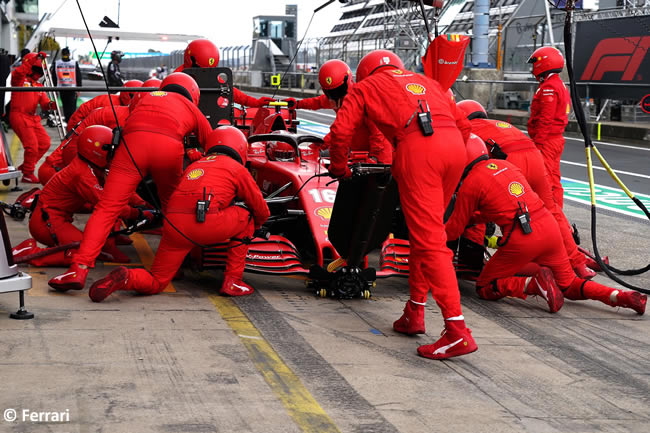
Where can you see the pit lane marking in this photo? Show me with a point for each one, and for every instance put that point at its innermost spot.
(287, 387)
(612, 199)
(147, 255)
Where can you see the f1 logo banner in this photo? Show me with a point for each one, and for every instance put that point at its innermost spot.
(614, 51)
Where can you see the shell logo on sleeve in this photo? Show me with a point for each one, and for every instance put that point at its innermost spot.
(516, 189)
(503, 125)
(195, 174)
(416, 89)
(97, 144)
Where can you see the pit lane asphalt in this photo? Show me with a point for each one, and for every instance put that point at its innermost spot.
(184, 362)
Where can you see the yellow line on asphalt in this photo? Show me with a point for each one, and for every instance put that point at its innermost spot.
(146, 255)
(299, 403)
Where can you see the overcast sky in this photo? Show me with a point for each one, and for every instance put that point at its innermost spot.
(225, 22)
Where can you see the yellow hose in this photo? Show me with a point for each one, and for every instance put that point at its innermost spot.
(590, 172)
(612, 173)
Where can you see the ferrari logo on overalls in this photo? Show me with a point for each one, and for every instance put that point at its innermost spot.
(504, 125)
(97, 144)
(158, 93)
(416, 89)
(211, 157)
(516, 189)
(324, 212)
(195, 174)
(398, 71)
(328, 80)
(492, 166)
(211, 61)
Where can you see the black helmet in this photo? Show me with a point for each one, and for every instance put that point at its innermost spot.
(117, 55)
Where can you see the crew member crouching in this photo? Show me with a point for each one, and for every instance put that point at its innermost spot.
(201, 210)
(69, 192)
(498, 190)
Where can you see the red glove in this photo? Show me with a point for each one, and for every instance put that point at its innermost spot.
(264, 100)
(149, 215)
(42, 55)
(194, 155)
(337, 173)
(292, 102)
(51, 105)
(326, 142)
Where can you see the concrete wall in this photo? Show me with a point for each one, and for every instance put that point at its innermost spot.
(481, 92)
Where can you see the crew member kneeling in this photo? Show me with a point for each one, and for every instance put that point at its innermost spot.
(216, 180)
(500, 193)
(69, 192)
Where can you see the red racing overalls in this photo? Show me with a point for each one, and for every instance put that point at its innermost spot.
(495, 188)
(67, 193)
(549, 116)
(154, 136)
(221, 178)
(87, 107)
(427, 169)
(23, 118)
(524, 155)
(367, 137)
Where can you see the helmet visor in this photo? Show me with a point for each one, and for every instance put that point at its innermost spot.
(338, 92)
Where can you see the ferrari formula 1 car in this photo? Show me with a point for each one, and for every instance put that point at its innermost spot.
(304, 202)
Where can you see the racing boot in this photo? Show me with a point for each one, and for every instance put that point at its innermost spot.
(73, 279)
(543, 284)
(583, 271)
(116, 280)
(412, 321)
(26, 247)
(456, 340)
(629, 299)
(235, 287)
(29, 178)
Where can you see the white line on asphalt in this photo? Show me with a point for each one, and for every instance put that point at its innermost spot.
(647, 149)
(333, 116)
(313, 121)
(645, 176)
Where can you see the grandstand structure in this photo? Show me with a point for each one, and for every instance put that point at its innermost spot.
(516, 27)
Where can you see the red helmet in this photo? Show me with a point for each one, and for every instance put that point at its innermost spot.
(546, 60)
(179, 82)
(230, 141)
(375, 60)
(151, 82)
(475, 149)
(471, 109)
(31, 58)
(93, 145)
(125, 98)
(280, 151)
(335, 79)
(201, 53)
